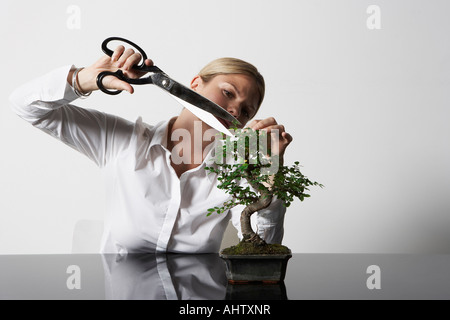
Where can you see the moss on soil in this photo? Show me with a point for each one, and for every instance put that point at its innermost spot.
(250, 248)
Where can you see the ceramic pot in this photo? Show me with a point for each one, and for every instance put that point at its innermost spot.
(269, 268)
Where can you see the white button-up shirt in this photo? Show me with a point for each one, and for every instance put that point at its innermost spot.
(148, 207)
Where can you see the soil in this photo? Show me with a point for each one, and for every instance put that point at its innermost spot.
(245, 248)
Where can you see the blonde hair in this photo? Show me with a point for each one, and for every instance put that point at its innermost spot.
(234, 66)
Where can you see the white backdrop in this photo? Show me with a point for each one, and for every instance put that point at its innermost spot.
(368, 109)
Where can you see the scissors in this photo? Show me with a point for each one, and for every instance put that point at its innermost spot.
(162, 80)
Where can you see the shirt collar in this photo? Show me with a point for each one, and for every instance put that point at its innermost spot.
(161, 133)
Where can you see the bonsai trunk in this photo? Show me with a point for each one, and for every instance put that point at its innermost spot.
(247, 232)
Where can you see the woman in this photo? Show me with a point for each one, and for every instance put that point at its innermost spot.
(154, 203)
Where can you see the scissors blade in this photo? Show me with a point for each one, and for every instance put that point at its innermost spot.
(205, 116)
(190, 96)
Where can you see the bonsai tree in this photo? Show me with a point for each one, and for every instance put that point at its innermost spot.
(247, 158)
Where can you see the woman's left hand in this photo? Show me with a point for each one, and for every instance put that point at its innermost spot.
(279, 140)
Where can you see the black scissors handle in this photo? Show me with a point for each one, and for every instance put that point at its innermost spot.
(119, 74)
(110, 52)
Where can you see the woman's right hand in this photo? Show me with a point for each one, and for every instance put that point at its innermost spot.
(121, 59)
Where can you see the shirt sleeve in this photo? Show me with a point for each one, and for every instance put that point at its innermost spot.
(45, 103)
(267, 223)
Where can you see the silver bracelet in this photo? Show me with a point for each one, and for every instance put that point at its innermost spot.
(75, 85)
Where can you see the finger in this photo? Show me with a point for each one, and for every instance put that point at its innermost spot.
(278, 134)
(287, 136)
(265, 123)
(278, 128)
(132, 60)
(117, 53)
(148, 62)
(125, 55)
(252, 124)
(279, 145)
(112, 82)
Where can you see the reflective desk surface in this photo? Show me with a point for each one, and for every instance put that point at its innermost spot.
(197, 277)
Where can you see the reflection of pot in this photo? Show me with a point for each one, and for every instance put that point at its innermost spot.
(269, 268)
(256, 291)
